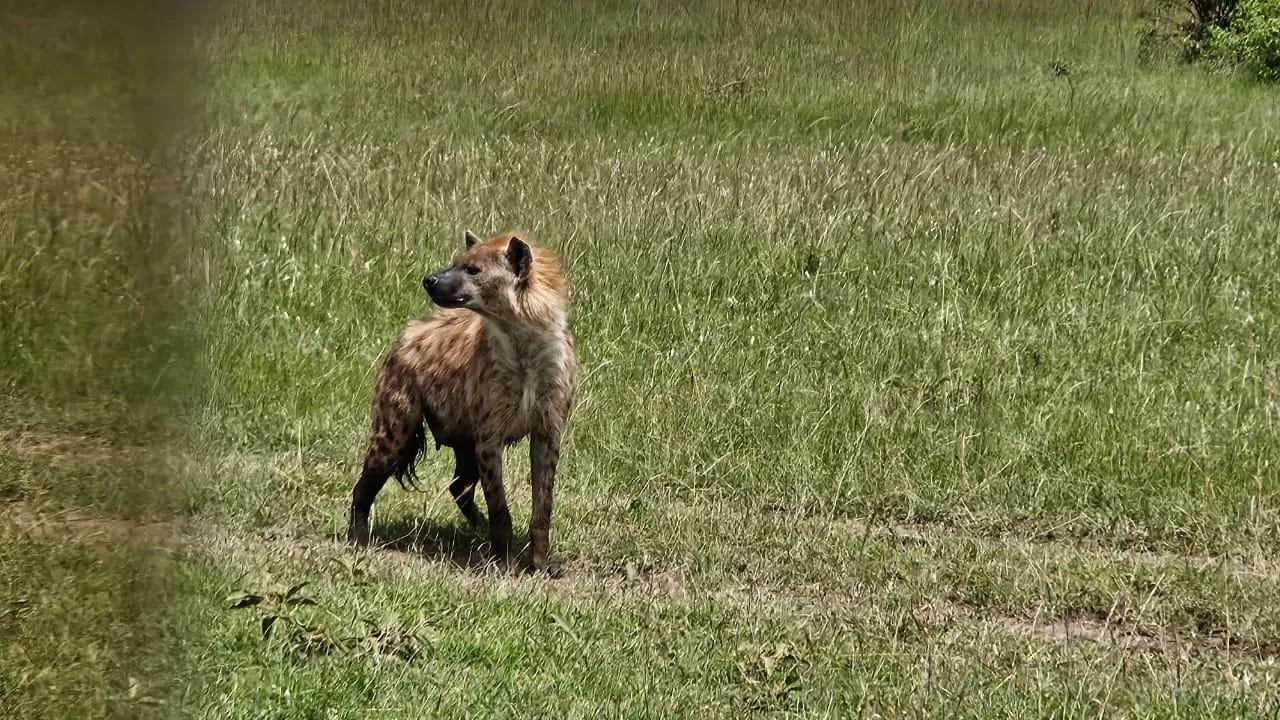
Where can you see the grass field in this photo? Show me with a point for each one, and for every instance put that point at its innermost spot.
(931, 362)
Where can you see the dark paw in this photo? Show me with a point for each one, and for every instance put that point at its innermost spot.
(554, 571)
(358, 534)
(500, 546)
(474, 517)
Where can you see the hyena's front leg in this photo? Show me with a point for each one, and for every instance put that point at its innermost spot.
(489, 462)
(544, 454)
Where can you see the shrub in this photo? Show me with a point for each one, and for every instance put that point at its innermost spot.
(1182, 28)
(1251, 38)
(1208, 17)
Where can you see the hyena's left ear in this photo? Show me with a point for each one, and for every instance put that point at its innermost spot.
(470, 239)
(520, 257)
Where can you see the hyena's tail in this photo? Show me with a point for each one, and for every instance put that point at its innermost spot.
(406, 463)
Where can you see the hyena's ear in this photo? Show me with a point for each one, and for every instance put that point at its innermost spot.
(470, 239)
(520, 257)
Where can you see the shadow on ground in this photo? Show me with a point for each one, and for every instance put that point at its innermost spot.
(457, 543)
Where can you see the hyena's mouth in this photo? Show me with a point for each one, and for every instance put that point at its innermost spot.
(445, 290)
(451, 301)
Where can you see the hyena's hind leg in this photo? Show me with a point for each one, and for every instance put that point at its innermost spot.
(397, 438)
(372, 478)
(386, 457)
(466, 475)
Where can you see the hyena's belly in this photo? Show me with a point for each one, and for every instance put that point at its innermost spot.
(498, 415)
(450, 419)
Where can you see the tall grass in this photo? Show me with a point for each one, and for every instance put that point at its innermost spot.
(841, 261)
(906, 330)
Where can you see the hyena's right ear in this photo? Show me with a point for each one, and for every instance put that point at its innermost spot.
(470, 239)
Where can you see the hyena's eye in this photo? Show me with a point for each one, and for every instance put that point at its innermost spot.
(471, 269)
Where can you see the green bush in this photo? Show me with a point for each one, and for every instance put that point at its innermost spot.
(1251, 39)
(1181, 29)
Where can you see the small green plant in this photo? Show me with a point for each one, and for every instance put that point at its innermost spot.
(1251, 39)
(306, 636)
(769, 676)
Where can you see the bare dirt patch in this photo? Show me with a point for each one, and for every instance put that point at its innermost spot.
(1099, 631)
(931, 533)
(27, 441)
(22, 519)
(430, 555)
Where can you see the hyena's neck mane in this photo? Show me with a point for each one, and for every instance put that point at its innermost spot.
(539, 305)
(534, 333)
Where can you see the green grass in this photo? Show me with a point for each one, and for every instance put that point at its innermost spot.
(913, 339)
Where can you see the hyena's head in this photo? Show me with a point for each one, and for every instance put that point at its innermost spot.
(488, 276)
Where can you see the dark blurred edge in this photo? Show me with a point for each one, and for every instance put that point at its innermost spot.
(98, 102)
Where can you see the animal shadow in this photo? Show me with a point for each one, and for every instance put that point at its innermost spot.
(457, 543)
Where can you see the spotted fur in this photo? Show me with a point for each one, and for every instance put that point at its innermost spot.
(494, 365)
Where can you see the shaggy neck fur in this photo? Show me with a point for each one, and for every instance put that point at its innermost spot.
(532, 334)
(537, 305)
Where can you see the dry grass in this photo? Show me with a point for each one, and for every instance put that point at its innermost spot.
(919, 342)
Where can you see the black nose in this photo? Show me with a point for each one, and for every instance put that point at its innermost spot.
(429, 281)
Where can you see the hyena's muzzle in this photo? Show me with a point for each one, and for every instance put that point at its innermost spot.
(448, 288)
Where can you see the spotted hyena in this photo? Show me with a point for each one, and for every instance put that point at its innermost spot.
(493, 365)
